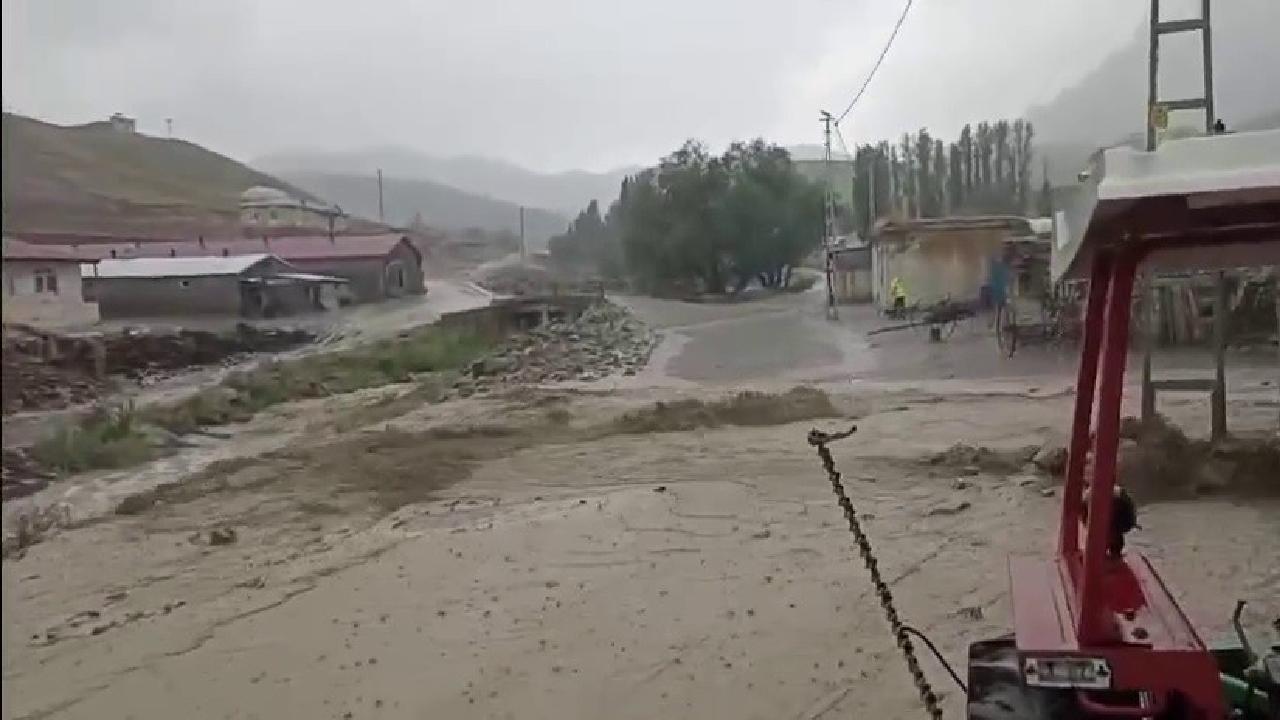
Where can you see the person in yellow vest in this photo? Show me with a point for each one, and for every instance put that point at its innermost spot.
(899, 293)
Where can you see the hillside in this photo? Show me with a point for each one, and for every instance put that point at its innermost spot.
(1108, 105)
(566, 192)
(440, 206)
(91, 178)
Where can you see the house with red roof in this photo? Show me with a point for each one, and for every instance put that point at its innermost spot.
(43, 287)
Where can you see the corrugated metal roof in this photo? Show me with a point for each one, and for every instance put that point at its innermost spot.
(172, 267)
(291, 249)
(18, 250)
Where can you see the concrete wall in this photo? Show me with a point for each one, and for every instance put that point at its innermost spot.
(934, 266)
(65, 308)
(502, 317)
(853, 286)
(371, 279)
(165, 297)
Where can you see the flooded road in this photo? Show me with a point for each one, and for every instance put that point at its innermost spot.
(573, 555)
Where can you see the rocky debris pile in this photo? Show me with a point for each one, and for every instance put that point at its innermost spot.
(749, 408)
(1157, 461)
(605, 340)
(971, 460)
(45, 371)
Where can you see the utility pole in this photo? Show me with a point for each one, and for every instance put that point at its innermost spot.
(1157, 119)
(168, 126)
(382, 216)
(829, 211)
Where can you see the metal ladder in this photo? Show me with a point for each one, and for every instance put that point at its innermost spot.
(1157, 114)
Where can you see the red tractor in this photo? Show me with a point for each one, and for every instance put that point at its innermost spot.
(1096, 632)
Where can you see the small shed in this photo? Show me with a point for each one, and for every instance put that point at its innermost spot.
(257, 285)
(938, 258)
(851, 271)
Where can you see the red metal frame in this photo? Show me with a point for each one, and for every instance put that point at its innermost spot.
(1083, 601)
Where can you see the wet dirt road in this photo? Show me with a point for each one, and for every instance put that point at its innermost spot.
(700, 572)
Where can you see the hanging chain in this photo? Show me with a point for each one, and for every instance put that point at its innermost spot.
(928, 697)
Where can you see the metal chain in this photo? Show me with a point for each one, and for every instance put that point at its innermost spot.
(928, 697)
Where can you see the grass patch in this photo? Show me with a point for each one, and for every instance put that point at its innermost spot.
(416, 356)
(109, 438)
(116, 437)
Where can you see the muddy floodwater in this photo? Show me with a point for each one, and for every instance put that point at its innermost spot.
(655, 548)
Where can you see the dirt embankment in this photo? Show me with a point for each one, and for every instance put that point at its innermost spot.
(1155, 462)
(49, 371)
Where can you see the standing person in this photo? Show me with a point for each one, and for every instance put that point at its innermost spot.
(997, 285)
(899, 293)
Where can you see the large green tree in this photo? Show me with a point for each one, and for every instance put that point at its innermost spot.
(702, 222)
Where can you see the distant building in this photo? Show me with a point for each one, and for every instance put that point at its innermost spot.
(42, 287)
(377, 267)
(264, 208)
(851, 271)
(242, 286)
(123, 123)
(938, 258)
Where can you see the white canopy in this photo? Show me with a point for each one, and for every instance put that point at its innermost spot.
(1217, 197)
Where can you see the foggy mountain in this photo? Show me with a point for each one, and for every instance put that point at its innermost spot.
(440, 206)
(1108, 105)
(566, 192)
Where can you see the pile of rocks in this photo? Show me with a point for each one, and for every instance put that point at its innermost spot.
(605, 340)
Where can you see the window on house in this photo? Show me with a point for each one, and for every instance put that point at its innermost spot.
(273, 215)
(46, 281)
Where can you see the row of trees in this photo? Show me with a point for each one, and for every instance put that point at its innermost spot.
(715, 223)
(987, 169)
(702, 223)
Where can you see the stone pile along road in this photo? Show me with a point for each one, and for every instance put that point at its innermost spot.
(605, 340)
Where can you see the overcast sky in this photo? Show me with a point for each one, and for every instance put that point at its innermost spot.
(550, 84)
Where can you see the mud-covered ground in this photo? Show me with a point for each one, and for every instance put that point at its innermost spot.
(664, 548)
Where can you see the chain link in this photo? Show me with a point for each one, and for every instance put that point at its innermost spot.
(928, 697)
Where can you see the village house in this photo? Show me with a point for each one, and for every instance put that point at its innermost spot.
(376, 267)
(42, 287)
(264, 208)
(939, 258)
(242, 286)
(851, 271)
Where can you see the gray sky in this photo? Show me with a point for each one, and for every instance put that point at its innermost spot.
(550, 84)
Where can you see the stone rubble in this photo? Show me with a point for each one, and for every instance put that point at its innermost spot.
(605, 340)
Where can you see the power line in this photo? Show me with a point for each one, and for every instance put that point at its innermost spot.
(865, 83)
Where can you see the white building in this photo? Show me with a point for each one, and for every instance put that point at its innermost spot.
(265, 207)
